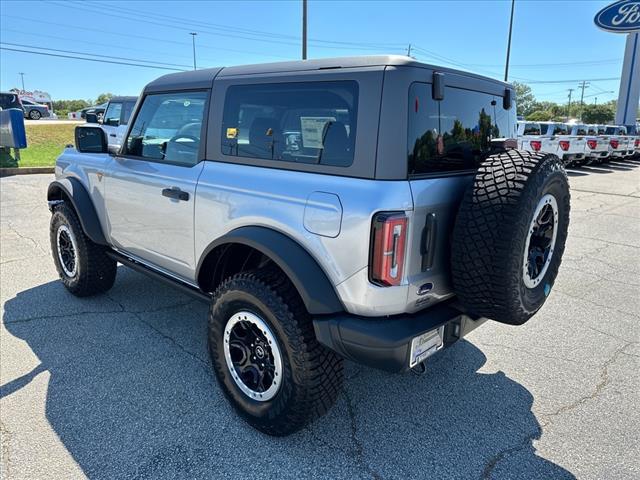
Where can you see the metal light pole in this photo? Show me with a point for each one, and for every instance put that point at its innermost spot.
(193, 39)
(304, 29)
(569, 107)
(506, 67)
(22, 76)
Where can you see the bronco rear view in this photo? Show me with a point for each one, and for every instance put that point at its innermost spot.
(368, 208)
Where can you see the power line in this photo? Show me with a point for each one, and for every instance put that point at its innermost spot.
(46, 54)
(92, 54)
(141, 37)
(234, 30)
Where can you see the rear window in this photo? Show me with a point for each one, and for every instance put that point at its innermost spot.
(560, 130)
(610, 131)
(592, 131)
(311, 122)
(454, 133)
(531, 129)
(581, 130)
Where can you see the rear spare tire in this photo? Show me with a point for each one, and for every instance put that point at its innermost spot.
(509, 235)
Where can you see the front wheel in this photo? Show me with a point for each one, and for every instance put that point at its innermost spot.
(84, 266)
(35, 115)
(265, 354)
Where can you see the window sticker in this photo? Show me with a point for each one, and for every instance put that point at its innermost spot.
(312, 130)
(232, 132)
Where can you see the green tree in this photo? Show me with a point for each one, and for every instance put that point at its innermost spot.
(103, 98)
(603, 113)
(540, 116)
(525, 99)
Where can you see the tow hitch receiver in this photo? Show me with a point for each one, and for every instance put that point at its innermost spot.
(425, 345)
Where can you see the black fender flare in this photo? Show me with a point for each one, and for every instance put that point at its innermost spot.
(82, 204)
(313, 285)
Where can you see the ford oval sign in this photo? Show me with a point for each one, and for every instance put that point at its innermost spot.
(622, 16)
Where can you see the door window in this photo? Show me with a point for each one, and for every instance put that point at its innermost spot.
(168, 127)
(112, 115)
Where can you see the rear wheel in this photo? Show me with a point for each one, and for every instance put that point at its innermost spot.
(265, 354)
(510, 234)
(83, 266)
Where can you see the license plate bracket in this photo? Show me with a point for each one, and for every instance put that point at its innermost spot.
(425, 345)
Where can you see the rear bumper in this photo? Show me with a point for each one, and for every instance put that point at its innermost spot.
(572, 157)
(385, 342)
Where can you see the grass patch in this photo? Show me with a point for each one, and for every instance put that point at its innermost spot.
(44, 144)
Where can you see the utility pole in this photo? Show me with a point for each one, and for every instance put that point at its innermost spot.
(595, 101)
(304, 29)
(193, 41)
(569, 107)
(582, 86)
(506, 66)
(409, 50)
(22, 76)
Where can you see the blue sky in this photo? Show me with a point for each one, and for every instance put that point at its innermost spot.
(552, 40)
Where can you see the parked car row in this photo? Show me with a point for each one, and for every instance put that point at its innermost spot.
(578, 144)
(32, 110)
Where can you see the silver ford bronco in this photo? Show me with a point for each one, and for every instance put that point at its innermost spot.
(368, 208)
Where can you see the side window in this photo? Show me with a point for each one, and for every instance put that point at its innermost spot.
(167, 128)
(127, 108)
(560, 130)
(544, 128)
(311, 122)
(456, 132)
(112, 115)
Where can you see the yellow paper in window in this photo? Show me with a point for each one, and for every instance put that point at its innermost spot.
(232, 132)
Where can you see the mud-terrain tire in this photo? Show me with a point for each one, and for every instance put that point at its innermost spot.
(90, 271)
(310, 375)
(504, 257)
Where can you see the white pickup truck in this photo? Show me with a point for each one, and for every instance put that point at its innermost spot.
(618, 141)
(115, 118)
(551, 137)
(596, 149)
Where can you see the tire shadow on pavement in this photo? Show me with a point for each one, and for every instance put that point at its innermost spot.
(131, 394)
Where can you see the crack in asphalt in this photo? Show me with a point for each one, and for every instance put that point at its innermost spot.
(172, 340)
(359, 449)
(600, 386)
(548, 418)
(26, 237)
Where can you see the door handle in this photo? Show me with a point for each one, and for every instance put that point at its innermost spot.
(175, 193)
(428, 242)
(112, 134)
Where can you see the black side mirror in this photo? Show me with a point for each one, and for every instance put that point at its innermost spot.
(507, 100)
(437, 92)
(92, 118)
(91, 140)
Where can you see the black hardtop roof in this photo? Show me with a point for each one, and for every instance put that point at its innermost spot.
(203, 78)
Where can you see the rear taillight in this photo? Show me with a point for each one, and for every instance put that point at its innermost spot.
(564, 144)
(614, 143)
(388, 239)
(637, 142)
(592, 144)
(535, 144)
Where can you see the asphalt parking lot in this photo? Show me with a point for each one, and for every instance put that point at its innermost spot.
(120, 386)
